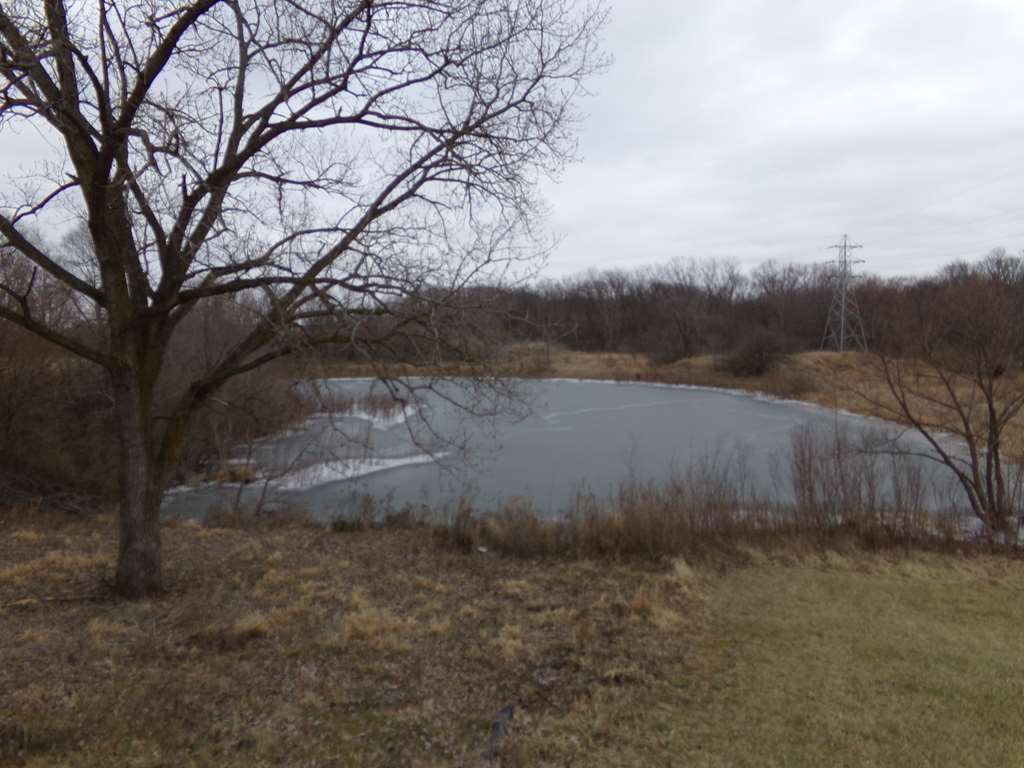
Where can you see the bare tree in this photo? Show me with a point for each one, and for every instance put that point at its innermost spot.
(335, 161)
(952, 368)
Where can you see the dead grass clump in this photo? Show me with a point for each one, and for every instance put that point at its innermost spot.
(56, 565)
(377, 628)
(427, 584)
(103, 627)
(665, 619)
(643, 522)
(236, 473)
(595, 365)
(34, 636)
(439, 627)
(518, 529)
(371, 515)
(554, 618)
(516, 587)
(252, 625)
(753, 555)
(373, 626)
(288, 618)
(108, 635)
(244, 518)
(509, 642)
(461, 531)
(684, 576)
(707, 515)
(641, 526)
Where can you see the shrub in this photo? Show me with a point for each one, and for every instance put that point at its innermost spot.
(756, 355)
(57, 426)
(787, 381)
(842, 489)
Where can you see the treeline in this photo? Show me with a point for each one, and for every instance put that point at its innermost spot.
(57, 417)
(689, 308)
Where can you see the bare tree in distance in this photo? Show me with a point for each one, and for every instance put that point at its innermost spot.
(327, 164)
(952, 368)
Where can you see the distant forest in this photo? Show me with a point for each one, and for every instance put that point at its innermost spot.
(689, 308)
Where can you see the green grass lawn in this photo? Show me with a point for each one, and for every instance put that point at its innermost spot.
(857, 661)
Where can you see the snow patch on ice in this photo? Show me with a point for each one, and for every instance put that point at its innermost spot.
(378, 420)
(345, 469)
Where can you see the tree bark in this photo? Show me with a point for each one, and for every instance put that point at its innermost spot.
(138, 564)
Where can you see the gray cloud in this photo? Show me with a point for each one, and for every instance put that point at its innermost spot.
(756, 129)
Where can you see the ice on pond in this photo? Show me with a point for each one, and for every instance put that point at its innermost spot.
(591, 435)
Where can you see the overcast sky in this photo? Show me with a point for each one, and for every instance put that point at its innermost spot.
(755, 129)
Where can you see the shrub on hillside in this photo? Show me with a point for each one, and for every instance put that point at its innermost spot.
(757, 354)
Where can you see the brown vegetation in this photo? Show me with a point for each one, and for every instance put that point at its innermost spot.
(841, 493)
(299, 646)
(57, 422)
(292, 645)
(755, 355)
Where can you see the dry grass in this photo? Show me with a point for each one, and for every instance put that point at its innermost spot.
(705, 509)
(53, 567)
(809, 660)
(299, 646)
(251, 625)
(296, 646)
(235, 473)
(527, 360)
(856, 382)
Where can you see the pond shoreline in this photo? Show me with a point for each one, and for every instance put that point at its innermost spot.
(582, 438)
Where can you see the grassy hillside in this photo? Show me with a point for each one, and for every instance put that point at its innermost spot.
(294, 645)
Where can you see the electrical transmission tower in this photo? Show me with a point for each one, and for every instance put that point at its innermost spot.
(844, 329)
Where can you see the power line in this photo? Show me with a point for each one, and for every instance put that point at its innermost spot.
(844, 328)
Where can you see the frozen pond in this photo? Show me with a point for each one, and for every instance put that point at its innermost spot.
(576, 435)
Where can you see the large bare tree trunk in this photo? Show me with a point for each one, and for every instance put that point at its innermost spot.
(424, 121)
(138, 564)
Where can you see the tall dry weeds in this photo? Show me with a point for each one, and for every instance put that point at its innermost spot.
(832, 483)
